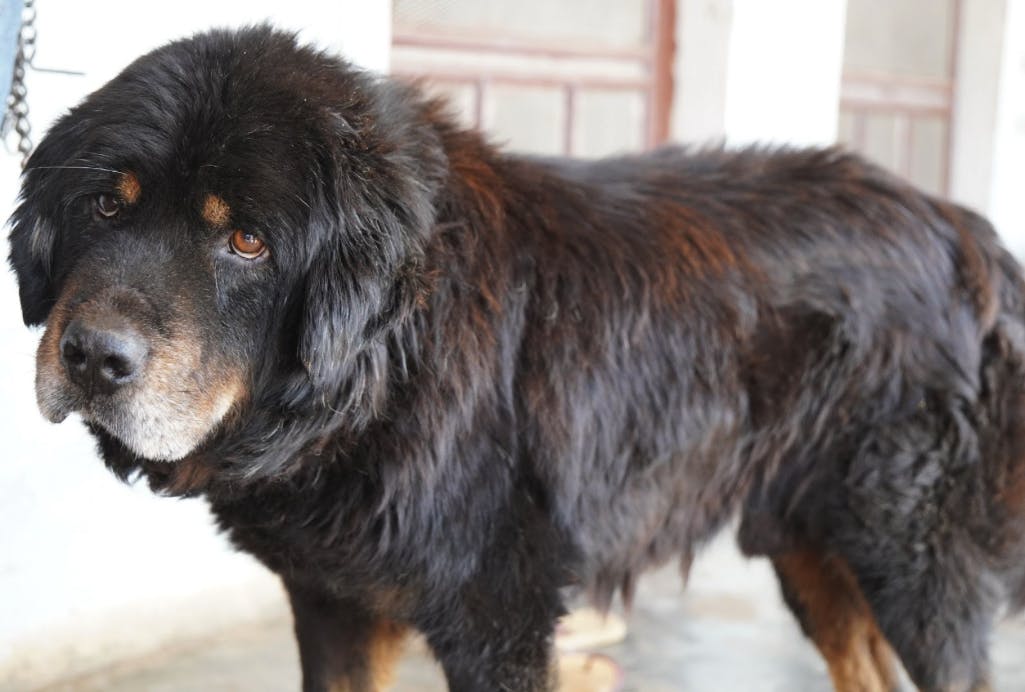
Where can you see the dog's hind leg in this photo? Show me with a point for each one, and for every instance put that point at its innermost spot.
(936, 611)
(826, 599)
(937, 621)
(913, 526)
(342, 648)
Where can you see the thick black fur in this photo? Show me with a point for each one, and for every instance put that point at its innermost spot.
(474, 378)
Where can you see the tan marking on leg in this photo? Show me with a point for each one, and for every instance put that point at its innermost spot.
(128, 188)
(385, 649)
(216, 211)
(882, 654)
(839, 621)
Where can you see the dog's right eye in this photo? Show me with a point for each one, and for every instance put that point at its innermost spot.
(106, 206)
(247, 245)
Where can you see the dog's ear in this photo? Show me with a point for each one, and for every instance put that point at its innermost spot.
(344, 314)
(32, 242)
(34, 233)
(378, 214)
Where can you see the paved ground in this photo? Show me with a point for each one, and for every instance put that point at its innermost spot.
(727, 632)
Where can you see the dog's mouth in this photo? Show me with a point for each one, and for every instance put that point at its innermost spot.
(150, 424)
(157, 396)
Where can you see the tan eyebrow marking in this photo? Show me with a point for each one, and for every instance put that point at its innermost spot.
(128, 188)
(216, 211)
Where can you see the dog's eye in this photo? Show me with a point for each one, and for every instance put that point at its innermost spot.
(247, 245)
(106, 206)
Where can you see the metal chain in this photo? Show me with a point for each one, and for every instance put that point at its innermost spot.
(17, 104)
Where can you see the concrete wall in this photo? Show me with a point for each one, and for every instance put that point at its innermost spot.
(92, 570)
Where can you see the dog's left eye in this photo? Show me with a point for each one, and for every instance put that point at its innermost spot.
(106, 206)
(247, 245)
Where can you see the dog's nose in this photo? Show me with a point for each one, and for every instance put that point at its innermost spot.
(102, 358)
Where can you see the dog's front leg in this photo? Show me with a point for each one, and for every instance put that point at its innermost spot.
(342, 647)
(496, 644)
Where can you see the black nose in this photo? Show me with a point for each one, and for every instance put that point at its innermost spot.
(102, 357)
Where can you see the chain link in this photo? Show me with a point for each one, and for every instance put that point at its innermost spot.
(17, 103)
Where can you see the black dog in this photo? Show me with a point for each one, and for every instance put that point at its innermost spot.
(430, 384)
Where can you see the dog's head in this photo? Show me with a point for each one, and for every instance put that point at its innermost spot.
(221, 234)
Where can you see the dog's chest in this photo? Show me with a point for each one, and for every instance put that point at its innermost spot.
(322, 539)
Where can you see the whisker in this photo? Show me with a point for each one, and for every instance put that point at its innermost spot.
(75, 168)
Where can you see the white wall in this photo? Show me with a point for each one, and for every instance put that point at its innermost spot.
(988, 156)
(754, 71)
(785, 63)
(980, 53)
(700, 69)
(92, 570)
(1007, 201)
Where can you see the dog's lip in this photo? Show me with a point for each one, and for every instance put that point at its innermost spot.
(56, 416)
(59, 403)
(62, 400)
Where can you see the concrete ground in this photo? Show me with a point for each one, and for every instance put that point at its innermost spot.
(727, 632)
